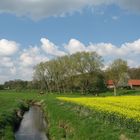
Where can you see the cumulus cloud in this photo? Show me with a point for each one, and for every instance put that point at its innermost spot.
(6, 68)
(103, 49)
(27, 60)
(51, 48)
(75, 45)
(128, 51)
(133, 47)
(37, 9)
(31, 56)
(20, 65)
(8, 48)
(6, 62)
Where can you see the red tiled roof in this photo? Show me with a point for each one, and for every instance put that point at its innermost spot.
(134, 82)
(110, 82)
(131, 82)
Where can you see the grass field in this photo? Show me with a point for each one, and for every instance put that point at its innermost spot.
(67, 120)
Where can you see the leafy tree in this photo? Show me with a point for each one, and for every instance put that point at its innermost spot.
(1, 87)
(17, 85)
(117, 69)
(70, 72)
(39, 75)
(86, 65)
(134, 73)
(123, 82)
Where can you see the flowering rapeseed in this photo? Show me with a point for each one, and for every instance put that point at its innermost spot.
(122, 107)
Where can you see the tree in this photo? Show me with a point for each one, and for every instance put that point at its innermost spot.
(1, 87)
(39, 75)
(86, 65)
(17, 85)
(134, 73)
(123, 82)
(117, 69)
(69, 72)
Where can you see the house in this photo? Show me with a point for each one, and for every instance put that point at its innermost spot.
(110, 84)
(133, 83)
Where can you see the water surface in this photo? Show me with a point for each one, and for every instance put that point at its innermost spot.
(32, 126)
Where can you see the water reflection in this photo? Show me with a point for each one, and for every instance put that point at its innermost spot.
(32, 126)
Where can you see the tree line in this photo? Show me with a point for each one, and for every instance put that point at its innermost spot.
(19, 85)
(80, 72)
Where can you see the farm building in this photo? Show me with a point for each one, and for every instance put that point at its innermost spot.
(133, 83)
(110, 84)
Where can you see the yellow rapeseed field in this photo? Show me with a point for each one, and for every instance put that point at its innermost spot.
(124, 107)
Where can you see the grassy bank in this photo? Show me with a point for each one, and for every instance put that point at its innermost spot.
(66, 121)
(10, 104)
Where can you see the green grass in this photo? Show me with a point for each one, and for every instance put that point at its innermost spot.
(10, 102)
(66, 121)
(120, 92)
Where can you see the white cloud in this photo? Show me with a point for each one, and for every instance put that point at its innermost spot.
(8, 48)
(6, 62)
(51, 48)
(127, 51)
(27, 60)
(133, 47)
(20, 66)
(74, 46)
(31, 56)
(133, 62)
(37, 9)
(103, 49)
(13, 70)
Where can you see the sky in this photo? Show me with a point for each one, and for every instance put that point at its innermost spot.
(32, 31)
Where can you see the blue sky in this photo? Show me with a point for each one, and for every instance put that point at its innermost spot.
(110, 24)
(35, 31)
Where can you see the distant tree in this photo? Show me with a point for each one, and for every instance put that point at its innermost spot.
(16, 84)
(117, 69)
(134, 73)
(96, 83)
(1, 87)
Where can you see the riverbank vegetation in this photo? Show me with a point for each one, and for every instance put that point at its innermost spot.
(10, 105)
(67, 121)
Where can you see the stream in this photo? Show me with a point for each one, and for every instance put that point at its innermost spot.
(32, 126)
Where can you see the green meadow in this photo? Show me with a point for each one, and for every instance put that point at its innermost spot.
(65, 121)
